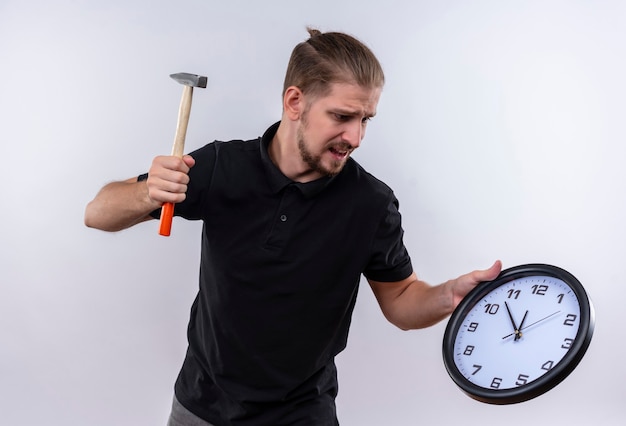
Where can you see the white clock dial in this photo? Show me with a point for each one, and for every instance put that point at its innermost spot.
(516, 337)
(517, 333)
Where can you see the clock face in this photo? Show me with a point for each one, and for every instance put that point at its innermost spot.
(518, 336)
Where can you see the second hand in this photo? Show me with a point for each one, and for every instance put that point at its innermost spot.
(530, 325)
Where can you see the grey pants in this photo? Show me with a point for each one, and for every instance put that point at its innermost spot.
(180, 416)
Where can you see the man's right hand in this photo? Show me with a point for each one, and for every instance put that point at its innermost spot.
(168, 178)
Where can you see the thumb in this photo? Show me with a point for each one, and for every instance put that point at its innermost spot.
(189, 160)
(488, 274)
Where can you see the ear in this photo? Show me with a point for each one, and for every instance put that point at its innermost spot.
(293, 103)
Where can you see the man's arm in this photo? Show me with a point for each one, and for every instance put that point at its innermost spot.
(411, 303)
(120, 205)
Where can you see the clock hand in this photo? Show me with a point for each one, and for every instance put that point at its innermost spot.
(542, 319)
(511, 317)
(518, 333)
(536, 322)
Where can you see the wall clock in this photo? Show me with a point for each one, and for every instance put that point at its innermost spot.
(518, 336)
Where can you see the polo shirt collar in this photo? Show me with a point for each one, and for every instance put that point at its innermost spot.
(277, 180)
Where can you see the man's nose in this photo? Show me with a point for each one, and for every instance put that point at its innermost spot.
(354, 133)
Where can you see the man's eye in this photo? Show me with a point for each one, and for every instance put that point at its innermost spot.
(341, 117)
(365, 120)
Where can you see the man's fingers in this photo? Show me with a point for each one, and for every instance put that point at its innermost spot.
(169, 185)
(168, 178)
(168, 162)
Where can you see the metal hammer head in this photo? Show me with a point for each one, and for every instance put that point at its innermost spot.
(192, 80)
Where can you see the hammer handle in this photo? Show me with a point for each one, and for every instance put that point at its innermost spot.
(167, 211)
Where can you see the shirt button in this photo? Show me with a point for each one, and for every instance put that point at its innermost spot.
(283, 218)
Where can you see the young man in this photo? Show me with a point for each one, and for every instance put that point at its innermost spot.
(290, 224)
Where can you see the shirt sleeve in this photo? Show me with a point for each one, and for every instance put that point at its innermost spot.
(200, 178)
(390, 260)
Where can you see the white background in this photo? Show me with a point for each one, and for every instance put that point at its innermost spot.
(501, 129)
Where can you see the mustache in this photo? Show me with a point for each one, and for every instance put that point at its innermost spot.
(340, 146)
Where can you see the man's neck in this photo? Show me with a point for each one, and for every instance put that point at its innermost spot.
(284, 153)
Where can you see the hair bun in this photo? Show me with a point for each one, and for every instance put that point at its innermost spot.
(313, 32)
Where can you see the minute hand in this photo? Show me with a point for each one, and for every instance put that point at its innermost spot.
(530, 325)
(511, 318)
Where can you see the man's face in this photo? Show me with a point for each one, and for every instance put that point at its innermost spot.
(332, 126)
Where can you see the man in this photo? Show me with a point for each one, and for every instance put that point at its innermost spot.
(291, 222)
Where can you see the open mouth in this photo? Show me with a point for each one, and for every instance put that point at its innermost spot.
(338, 152)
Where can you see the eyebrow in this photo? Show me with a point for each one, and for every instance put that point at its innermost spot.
(352, 112)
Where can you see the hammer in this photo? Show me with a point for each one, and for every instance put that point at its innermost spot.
(189, 81)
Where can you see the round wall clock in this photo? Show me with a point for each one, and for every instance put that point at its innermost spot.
(518, 336)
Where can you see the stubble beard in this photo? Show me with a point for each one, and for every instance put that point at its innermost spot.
(315, 161)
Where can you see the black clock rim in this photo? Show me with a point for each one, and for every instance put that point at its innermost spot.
(551, 378)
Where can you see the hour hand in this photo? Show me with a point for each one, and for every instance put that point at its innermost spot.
(518, 332)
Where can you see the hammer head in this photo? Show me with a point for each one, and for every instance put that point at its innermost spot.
(192, 80)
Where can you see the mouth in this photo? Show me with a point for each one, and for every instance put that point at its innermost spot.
(339, 152)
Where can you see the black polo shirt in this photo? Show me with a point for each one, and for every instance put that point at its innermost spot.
(280, 268)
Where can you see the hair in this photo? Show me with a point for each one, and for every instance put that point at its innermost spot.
(331, 57)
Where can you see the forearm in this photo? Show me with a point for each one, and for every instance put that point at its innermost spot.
(412, 303)
(419, 305)
(120, 205)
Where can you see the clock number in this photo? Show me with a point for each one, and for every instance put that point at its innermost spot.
(514, 293)
(496, 382)
(477, 367)
(472, 327)
(468, 350)
(560, 297)
(547, 365)
(540, 289)
(491, 309)
(569, 320)
(522, 379)
(567, 343)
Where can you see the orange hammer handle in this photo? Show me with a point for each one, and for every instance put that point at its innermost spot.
(167, 211)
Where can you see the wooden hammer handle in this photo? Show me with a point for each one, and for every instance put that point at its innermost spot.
(167, 211)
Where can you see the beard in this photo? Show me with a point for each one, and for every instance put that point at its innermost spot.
(314, 161)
